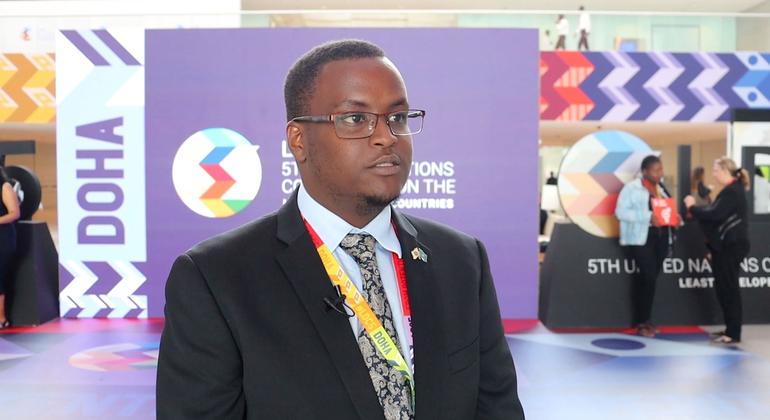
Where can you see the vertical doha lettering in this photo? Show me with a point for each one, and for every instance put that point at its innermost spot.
(100, 195)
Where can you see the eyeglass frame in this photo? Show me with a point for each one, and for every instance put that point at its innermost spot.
(330, 118)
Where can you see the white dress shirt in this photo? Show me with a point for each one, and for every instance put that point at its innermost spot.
(332, 229)
(562, 27)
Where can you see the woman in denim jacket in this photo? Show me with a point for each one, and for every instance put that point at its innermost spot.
(646, 239)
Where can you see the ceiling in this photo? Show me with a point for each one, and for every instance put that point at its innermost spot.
(694, 6)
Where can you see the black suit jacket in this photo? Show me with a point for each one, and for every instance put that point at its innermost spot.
(248, 335)
(725, 221)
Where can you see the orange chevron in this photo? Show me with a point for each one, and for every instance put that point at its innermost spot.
(218, 189)
(580, 104)
(7, 70)
(27, 88)
(7, 106)
(25, 71)
(45, 71)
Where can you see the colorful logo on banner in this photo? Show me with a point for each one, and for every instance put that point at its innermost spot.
(217, 172)
(651, 86)
(592, 174)
(124, 357)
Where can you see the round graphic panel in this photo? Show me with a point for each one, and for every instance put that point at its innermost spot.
(123, 357)
(592, 174)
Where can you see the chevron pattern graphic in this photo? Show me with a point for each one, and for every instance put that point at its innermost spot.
(101, 77)
(27, 88)
(82, 297)
(562, 74)
(212, 198)
(575, 86)
(651, 86)
(592, 174)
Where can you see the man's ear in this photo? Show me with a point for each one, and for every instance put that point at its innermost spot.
(295, 138)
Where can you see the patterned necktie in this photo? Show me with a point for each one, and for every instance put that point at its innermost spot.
(390, 385)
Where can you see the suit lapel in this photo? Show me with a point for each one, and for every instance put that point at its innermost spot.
(430, 353)
(304, 270)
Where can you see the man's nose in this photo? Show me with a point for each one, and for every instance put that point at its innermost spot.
(382, 136)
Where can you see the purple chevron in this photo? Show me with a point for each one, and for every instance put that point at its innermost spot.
(724, 88)
(88, 51)
(590, 86)
(681, 89)
(705, 92)
(668, 99)
(635, 86)
(116, 47)
(619, 93)
(65, 277)
(695, 90)
(107, 276)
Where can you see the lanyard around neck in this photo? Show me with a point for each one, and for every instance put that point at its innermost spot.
(382, 341)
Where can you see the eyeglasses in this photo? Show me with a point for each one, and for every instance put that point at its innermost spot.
(359, 125)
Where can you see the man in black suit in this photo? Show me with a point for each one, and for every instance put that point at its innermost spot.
(254, 325)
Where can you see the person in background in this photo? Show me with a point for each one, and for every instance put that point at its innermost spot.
(546, 43)
(552, 180)
(584, 28)
(698, 189)
(645, 237)
(562, 29)
(9, 213)
(725, 224)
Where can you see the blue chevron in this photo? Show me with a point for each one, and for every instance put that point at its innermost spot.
(219, 137)
(590, 86)
(618, 141)
(692, 69)
(217, 155)
(752, 78)
(635, 86)
(764, 85)
(724, 87)
(612, 140)
(610, 162)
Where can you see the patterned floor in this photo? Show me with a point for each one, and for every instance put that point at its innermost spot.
(74, 369)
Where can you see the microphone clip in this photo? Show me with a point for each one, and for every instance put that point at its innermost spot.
(339, 305)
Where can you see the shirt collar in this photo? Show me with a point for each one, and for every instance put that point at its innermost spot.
(332, 228)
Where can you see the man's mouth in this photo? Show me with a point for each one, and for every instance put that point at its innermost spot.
(387, 161)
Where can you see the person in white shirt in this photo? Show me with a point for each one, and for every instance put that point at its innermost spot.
(562, 29)
(546, 43)
(584, 28)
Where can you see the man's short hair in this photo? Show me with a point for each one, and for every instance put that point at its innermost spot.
(299, 86)
(649, 161)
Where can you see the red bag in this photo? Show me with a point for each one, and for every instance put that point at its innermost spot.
(664, 211)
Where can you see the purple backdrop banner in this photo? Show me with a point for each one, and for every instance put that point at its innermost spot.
(215, 157)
